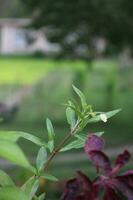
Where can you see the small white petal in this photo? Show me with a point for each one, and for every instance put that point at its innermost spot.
(103, 117)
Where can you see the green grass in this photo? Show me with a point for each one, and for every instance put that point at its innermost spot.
(29, 70)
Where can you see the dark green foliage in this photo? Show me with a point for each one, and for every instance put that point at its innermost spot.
(75, 24)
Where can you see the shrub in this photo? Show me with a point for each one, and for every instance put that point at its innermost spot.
(78, 116)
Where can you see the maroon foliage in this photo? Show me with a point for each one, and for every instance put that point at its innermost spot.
(115, 187)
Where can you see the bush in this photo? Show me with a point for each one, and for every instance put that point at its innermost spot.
(78, 116)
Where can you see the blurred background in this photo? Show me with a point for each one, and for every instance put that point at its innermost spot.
(45, 47)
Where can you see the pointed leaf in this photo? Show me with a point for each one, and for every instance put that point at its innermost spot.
(76, 144)
(99, 134)
(49, 177)
(94, 142)
(125, 189)
(84, 137)
(34, 189)
(50, 145)
(5, 179)
(41, 158)
(42, 196)
(50, 129)
(15, 135)
(70, 114)
(100, 160)
(81, 137)
(30, 187)
(110, 194)
(12, 193)
(12, 152)
(97, 118)
(81, 96)
(123, 158)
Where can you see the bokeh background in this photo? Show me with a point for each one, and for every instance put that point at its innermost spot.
(45, 47)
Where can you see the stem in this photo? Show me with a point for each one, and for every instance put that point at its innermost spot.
(61, 145)
(56, 150)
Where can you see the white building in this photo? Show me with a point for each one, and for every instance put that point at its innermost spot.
(15, 38)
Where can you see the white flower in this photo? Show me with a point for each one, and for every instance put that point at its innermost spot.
(103, 117)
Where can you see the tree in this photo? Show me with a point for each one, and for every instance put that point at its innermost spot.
(12, 8)
(75, 24)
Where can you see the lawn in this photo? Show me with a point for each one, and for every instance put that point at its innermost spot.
(29, 70)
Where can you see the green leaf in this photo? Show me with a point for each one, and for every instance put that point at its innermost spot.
(70, 114)
(50, 129)
(12, 152)
(97, 118)
(30, 187)
(80, 136)
(49, 177)
(112, 113)
(76, 144)
(9, 135)
(34, 189)
(12, 193)
(15, 135)
(5, 179)
(83, 137)
(50, 145)
(41, 158)
(81, 96)
(42, 196)
(99, 134)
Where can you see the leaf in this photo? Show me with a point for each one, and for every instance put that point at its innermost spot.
(70, 114)
(94, 142)
(122, 159)
(112, 113)
(73, 145)
(30, 187)
(97, 118)
(15, 135)
(12, 152)
(49, 177)
(41, 158)
(50, 145)
(5, 179)
(100, 160)
(34, 189)
(50, 129)
(84, 137)
(12, 193)
(42, 196)
(81, 96)
(99, 134)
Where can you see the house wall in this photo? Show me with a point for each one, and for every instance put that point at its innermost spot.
(13, 38)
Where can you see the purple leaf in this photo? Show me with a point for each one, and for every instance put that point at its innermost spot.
(79, 188)
(124, 188)
(71, 190)
(127, 178)
(84, 181)
(110, 194)
(122, 159)
(129, 172)
(100, 160)
(94, 143)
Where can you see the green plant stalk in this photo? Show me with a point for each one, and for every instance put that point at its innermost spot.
(61, 145)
